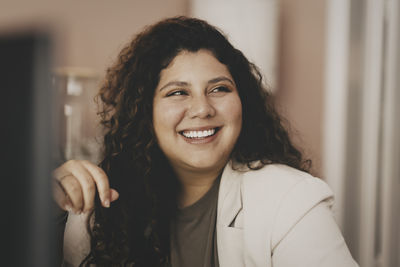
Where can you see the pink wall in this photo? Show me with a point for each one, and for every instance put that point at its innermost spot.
(90, 33)
(301, 69)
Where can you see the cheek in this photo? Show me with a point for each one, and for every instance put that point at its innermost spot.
(166, 117)
(233, 111)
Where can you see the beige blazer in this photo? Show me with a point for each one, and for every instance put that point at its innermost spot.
(273, 217)
(277, 217)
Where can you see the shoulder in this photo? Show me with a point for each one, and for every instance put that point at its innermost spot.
(279, 187)
(279, 180)
(281, 196)
(279, 184)
(277, 173)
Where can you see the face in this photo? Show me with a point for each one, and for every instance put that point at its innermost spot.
(197, 113)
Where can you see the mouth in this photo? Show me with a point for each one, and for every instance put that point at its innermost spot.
(199, 134)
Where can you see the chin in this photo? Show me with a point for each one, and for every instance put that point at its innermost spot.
(206, 165)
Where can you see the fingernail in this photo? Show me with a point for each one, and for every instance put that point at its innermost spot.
(107, 203)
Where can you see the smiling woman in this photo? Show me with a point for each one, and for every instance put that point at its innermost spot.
(197, 168)
(197, 117)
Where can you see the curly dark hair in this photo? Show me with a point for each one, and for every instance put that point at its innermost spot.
(135, 230)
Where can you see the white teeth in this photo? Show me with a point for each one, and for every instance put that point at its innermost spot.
(198, 134)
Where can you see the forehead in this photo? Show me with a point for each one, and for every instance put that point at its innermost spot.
(193, 65)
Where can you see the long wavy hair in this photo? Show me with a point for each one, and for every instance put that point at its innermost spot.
(135, 230)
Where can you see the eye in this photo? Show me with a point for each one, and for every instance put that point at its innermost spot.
(221, 89)
(177, 93)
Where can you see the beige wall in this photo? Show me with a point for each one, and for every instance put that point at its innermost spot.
(301, 69)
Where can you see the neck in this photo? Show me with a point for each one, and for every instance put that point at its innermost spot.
(194, 186)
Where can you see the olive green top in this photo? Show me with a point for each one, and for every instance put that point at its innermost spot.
(193, 233)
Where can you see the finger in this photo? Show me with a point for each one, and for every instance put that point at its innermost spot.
(87, 184)
(60, 197)
(75, 168)
(63, 170)
(73, 190)
(102, 183)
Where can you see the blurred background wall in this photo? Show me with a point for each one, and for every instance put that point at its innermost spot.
(88, 33)
(301, 73)
(87, 37)
(335, 83)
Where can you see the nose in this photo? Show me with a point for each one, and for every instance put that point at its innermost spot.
(201, 107)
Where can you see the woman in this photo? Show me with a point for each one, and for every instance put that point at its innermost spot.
(197, 166)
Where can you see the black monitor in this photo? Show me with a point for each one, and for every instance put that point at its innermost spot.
(27, 232)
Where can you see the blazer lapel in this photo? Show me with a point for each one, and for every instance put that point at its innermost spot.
(229, 239)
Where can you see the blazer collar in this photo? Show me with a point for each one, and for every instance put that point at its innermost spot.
(229, 239)
(229, 196)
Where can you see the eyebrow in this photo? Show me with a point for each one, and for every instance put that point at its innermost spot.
(212, 81)
(176, 83)
(219, 79)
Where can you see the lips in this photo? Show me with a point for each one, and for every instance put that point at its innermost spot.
(199, 134)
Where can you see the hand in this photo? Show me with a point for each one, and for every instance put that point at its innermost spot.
(75, 184)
